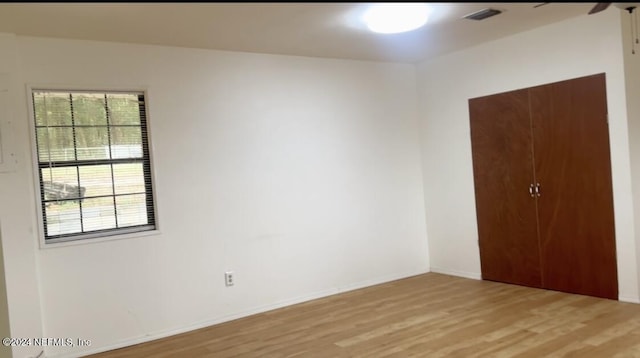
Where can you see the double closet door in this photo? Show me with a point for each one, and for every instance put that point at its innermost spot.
(542, 177)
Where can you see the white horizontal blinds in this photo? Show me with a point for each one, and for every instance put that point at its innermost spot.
(146, 164)
(93, 156)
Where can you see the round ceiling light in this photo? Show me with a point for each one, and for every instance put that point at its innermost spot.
(394, 18)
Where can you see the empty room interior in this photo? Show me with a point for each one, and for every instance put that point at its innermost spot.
(289, 179)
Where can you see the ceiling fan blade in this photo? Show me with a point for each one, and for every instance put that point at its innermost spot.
(599, 7)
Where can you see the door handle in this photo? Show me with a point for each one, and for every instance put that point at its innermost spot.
(538, 189)
(531, 190)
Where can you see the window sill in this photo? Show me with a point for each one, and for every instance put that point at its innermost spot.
(100, 239)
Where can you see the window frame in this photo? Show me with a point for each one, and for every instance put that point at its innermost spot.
(98, 236)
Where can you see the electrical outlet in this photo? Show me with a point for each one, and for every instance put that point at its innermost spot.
(228, 278)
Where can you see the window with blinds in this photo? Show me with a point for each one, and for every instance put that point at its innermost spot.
(93, 163)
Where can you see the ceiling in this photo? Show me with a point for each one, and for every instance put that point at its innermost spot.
(331, 30)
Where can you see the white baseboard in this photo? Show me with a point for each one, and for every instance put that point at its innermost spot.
(628, 299)
(465, 274)
(167, 333)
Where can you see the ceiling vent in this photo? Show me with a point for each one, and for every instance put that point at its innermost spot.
(483, 14)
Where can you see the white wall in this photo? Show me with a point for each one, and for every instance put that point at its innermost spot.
(19, 242)
(301, 175)
(632, 74)
(5, 331)
(581, 46)
(5, 325)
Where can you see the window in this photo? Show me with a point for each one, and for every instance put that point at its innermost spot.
(93, 163)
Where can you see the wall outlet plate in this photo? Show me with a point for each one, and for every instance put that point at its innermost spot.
(228, 278)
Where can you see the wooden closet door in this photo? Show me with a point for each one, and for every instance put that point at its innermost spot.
(503, 171)
(575, 208)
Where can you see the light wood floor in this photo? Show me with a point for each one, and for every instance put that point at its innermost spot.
(430, 315)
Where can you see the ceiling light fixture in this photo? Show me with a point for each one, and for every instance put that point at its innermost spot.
(394, 18)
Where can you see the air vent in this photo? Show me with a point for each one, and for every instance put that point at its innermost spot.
(483, 14)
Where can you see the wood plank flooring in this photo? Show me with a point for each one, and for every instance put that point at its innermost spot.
(430, 315)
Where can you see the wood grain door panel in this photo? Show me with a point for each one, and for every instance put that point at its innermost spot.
(503, 171)
(575, 209)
